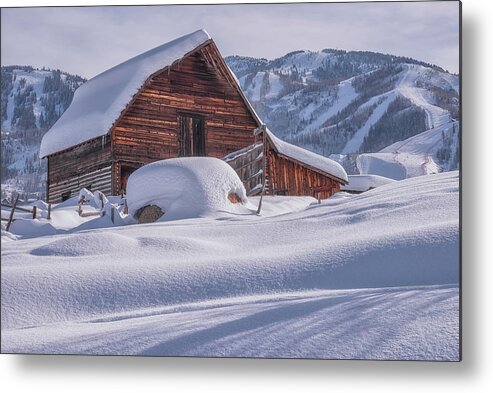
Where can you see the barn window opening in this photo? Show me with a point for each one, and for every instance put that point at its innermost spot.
(192, 135)
(65, 195)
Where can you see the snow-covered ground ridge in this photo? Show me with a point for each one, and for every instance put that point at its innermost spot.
(406, 323)
(361, 183)
(384, 287)
(103, 271)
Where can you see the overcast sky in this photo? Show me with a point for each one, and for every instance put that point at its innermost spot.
(89, 40)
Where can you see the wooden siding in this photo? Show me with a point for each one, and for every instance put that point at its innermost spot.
(285, 176)
(149, 128)
(248, 164)
(87, 165)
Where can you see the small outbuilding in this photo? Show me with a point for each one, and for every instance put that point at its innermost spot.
(362, 183)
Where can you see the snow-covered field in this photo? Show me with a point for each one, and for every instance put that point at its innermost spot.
(385, 323)
(371, 276)
(414, 156)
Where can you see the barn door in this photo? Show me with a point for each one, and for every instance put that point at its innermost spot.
(192, 136)
(126, 171)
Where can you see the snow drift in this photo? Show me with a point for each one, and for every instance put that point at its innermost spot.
(185, 187)
(400, 234)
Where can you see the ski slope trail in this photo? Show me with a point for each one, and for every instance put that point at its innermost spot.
(435, 116)
(384, 100)
(406, 86)
(345, 95)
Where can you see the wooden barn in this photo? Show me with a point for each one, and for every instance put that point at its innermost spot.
(177, 100)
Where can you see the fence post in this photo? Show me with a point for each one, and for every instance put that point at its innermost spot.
(264, 137)
(34, 212)
(112, 214)
(49, 211)
(81, 202)
(12, 213)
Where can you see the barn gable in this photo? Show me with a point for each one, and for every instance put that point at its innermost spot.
(198, 89)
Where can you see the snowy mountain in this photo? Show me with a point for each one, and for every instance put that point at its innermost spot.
(374, 113)
(32, 100)
(342, 104)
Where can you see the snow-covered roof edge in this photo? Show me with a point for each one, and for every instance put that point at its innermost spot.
(99, 102)
(365, 182)
(307, 157)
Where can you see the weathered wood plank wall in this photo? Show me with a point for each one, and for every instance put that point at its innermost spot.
(287, 177)
(87, 165)
(248, 164)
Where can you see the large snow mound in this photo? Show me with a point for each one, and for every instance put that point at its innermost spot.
(30, 228)
(185, 187)
(99, 102)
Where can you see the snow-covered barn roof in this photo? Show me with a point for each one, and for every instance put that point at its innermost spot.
(98, 103)
(361, 183)
(307, 157)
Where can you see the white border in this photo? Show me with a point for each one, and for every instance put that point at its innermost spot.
(126, 374)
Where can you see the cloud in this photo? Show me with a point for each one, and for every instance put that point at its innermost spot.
(88, 40)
